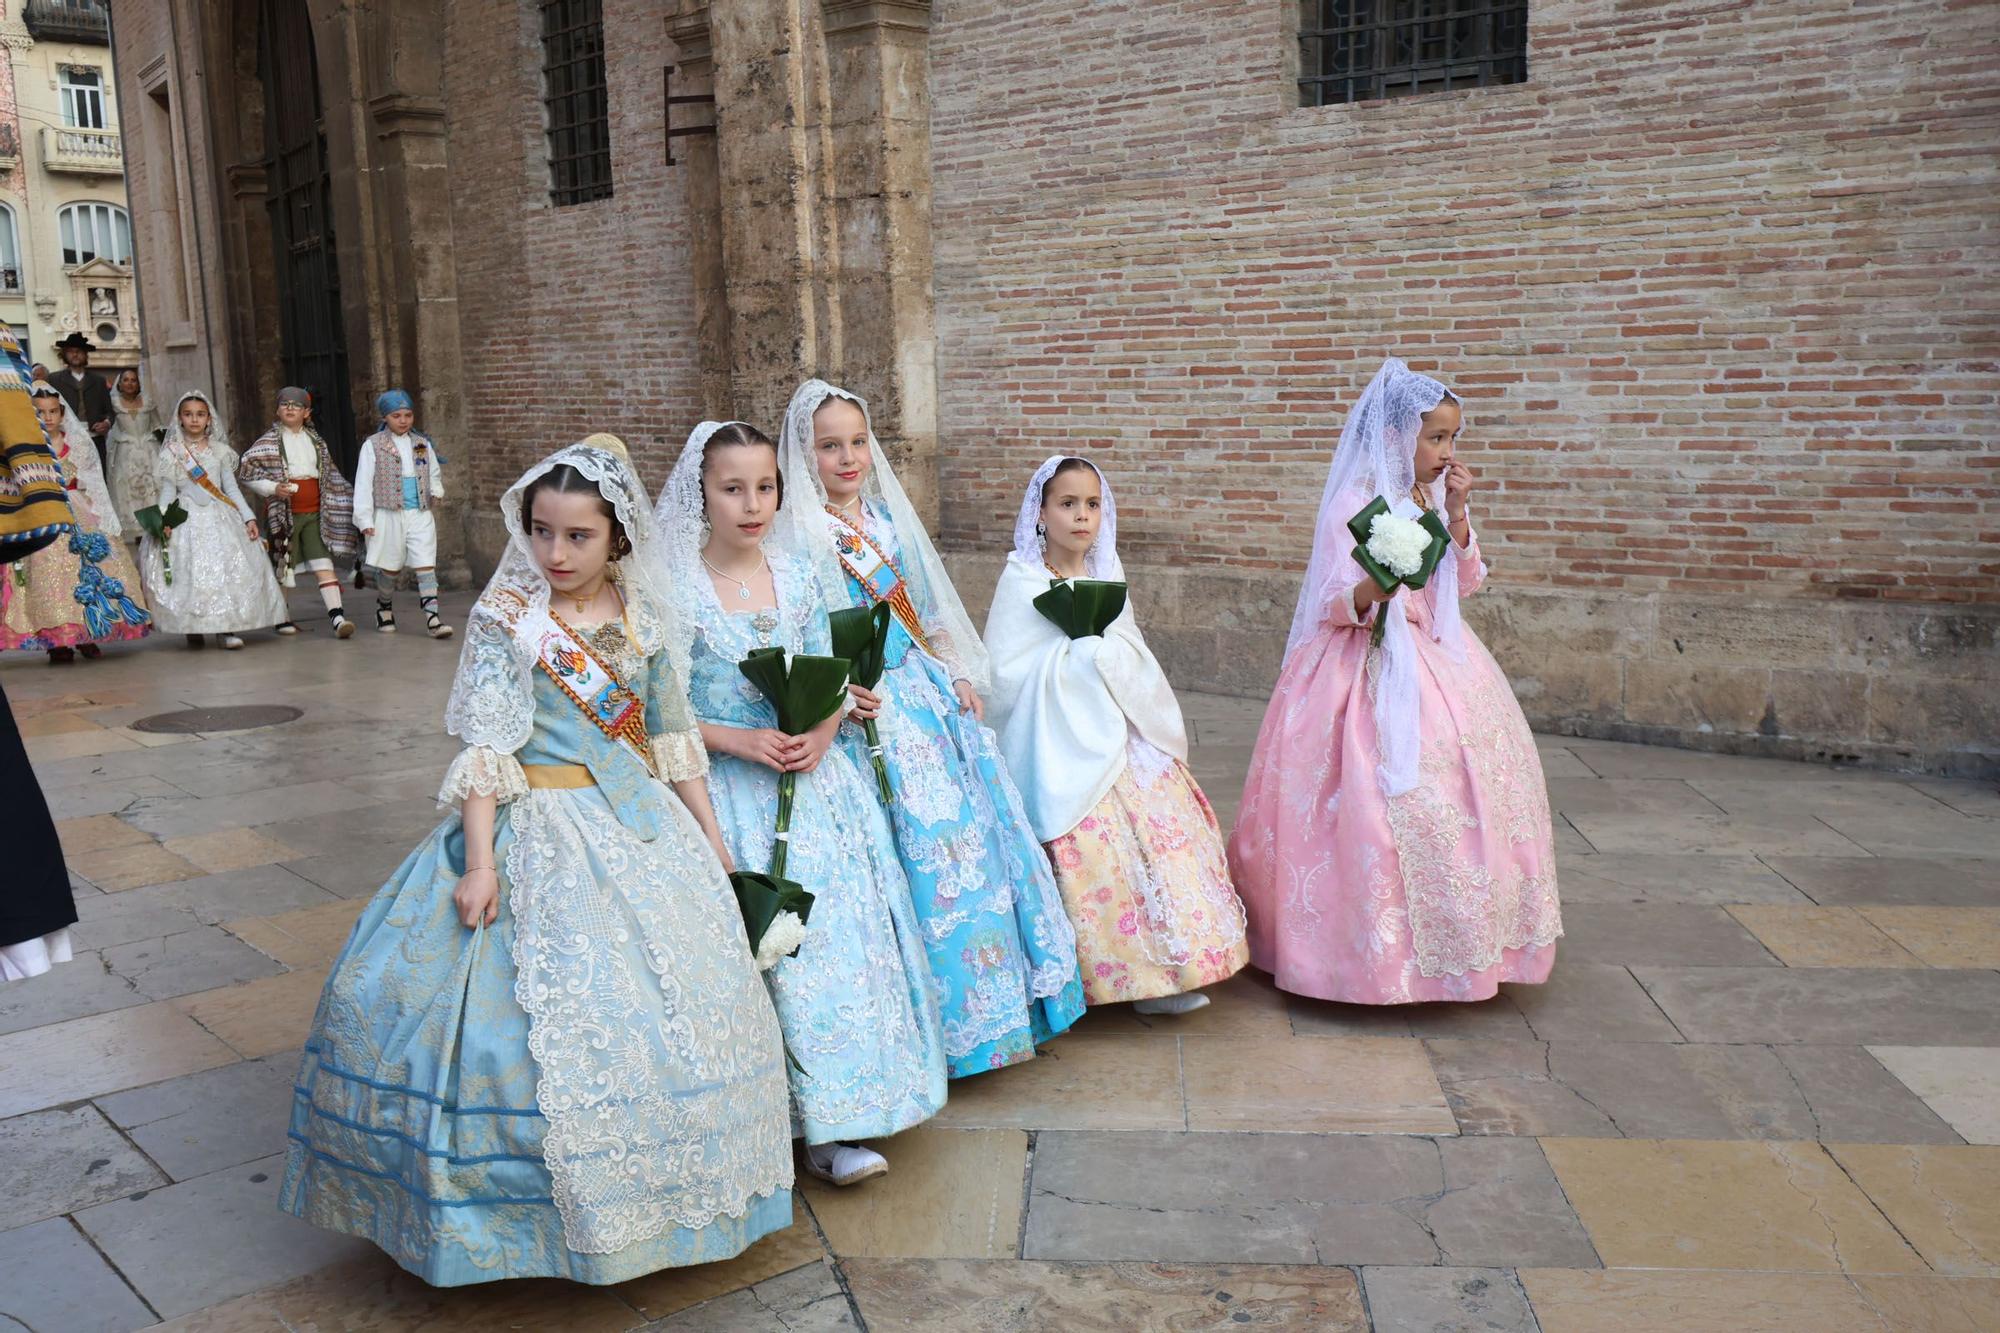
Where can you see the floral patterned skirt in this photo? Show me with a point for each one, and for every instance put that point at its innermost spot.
(1147, 886)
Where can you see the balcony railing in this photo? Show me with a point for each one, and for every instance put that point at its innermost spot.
(68, 21)
(84, 152)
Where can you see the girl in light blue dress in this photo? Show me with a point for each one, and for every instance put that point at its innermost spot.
(1001, 947)
(545, 1050)
(856, 1002)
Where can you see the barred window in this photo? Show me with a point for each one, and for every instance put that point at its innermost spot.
(579, 113)
(1362, 50)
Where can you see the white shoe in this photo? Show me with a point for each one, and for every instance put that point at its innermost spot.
(844, 1163)
(231, 641)
(1172, 1004)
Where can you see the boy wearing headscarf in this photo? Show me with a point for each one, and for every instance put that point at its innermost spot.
(396, 482)
(308, 505)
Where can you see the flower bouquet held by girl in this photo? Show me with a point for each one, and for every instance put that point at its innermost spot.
(545, 1050)
(1092, 731)
(1000, 946)
(1394, 843)
(856, 1003)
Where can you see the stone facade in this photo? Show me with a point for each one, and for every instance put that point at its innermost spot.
(1717, 288)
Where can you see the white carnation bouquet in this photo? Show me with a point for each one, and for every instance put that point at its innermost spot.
(1397, 550)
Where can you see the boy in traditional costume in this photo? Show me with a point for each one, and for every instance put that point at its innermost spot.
(308, 505)
(397, 480)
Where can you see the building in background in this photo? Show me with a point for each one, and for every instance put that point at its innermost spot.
(1718, 286)
(65, 233)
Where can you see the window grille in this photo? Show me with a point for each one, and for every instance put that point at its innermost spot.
(95, 231)
(579, 114)
(1363, 50)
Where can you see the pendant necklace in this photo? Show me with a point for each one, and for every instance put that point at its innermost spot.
(742, 585)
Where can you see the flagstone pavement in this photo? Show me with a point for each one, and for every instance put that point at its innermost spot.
(1761, 1091)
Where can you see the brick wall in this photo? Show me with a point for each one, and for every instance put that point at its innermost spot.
(574, 319)
(1717, 284)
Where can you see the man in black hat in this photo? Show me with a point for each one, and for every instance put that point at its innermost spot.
(85, 390)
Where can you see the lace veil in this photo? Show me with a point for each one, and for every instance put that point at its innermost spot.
(952, 632)
(1377, 457)
(1101, 561)
(83, 457)
(492, 700)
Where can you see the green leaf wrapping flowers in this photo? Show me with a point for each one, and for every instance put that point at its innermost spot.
(861, 635)
(804, 694)
(1362, 525)
(157, 525)
(775, 912)
(1082, 608)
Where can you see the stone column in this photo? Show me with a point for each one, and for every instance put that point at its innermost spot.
(822, 185)
(695, 155)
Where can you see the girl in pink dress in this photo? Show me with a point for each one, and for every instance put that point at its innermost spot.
(1394, 842)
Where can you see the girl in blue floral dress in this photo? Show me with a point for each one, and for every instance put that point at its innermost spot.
(545, 1050)
(1001, 947)
(856, 1001)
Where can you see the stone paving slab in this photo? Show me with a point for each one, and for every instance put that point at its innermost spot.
(1629, 934)
(1829, 1005)
(1684, 879)
(805, 1300)
(917, 1296)
(1447, 1300)
(1298, 1198)
(672, 1290)
(1631, 1301)
(1920, 881)
(1312, 1084)
(51, 1278)
(57, 1161)
(192, 960)
(1823, 937)
(205, 1240)
(1960, 1083)
(206, 1122)
(1945, 1201)
(79, 988)
(1658, 1090)
(951, 1194)
(1594, 1001)
(1787, 1207)
(372, 1295)
(84, 1057)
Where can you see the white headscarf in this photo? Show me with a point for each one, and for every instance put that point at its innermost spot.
(90, 484)
(518, 595)
(951, 632)
(1377, 457)
(1101, 560)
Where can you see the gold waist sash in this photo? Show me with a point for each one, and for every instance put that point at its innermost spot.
(558, 777)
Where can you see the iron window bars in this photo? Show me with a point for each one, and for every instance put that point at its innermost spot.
(1363, 50)
(579, 111)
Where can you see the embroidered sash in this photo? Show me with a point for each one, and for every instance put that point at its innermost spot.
(199, 474)
(591, 686)
(869, 566)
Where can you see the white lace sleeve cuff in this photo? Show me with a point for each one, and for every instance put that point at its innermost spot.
(679, 755)
(479, 771)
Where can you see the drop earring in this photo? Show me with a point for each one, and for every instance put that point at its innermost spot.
(1042, 538)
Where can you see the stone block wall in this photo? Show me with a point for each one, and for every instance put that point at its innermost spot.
(1717, 285)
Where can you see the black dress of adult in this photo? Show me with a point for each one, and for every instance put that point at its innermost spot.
(34, 888)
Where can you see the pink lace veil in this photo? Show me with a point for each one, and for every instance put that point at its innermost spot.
(1377, 457)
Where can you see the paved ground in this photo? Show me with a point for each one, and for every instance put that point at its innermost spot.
(1762, 1090)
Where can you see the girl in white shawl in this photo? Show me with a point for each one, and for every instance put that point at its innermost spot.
(1093, 736)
